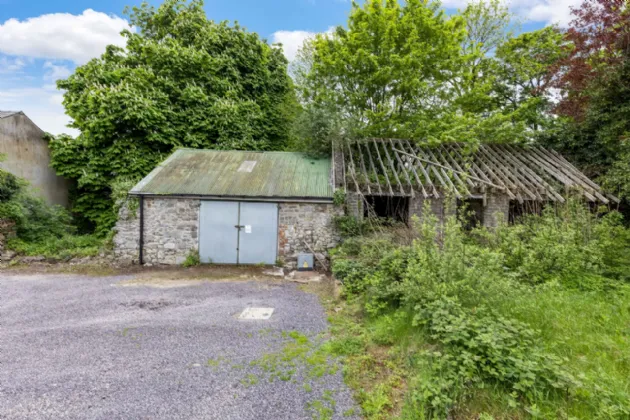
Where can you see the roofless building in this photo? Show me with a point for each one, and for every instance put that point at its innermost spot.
(394, 178)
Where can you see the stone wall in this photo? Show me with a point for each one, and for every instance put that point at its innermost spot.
(496, 210)
(440, 207)
(354, 205)
(305, 222)
(7, 230)
(171, 231)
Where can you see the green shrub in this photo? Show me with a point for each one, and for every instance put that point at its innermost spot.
(533, 315)
(192, 259)
(565, 243)
(339, 197)
(120, 194)
(385, 290)
(59, 248)
(366, 254)
(480, 347)
(352, 275)
(9, 185)
(350, 226)
(41, 229)
(36, 221)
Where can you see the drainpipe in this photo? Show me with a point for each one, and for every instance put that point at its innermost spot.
(141, 242)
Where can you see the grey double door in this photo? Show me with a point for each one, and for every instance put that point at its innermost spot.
(232, 232)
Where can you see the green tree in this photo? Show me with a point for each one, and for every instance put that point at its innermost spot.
(387, 68)
(316, 129)
(410, 71)
(600, 142)
(594, 82)
(181, 81)
(524, 80)
(489, 24)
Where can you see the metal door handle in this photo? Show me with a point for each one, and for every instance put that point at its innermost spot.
(239, 226)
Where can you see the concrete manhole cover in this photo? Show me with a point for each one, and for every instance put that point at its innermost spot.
(256, 313)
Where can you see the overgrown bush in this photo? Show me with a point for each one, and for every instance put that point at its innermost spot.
(120, 195)
(352, 274)
(41, 229)
(9, 185)
(481, 348)
(465, 294)
(35, 220)
(567, 243)
(192, 259)
(59, 248)
(356, 259)
(350, 226)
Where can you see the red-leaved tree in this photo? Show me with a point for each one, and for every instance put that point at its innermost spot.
(600, 33)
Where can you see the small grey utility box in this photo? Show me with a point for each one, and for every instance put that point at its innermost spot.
(305, 262)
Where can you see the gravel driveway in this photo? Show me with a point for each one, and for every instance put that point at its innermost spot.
(98, 347)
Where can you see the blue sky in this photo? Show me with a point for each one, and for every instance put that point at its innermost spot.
(42, 41)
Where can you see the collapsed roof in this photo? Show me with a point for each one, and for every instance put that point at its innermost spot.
(396, 167)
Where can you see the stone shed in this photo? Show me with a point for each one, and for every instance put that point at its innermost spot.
(229, 207)
(494, 183)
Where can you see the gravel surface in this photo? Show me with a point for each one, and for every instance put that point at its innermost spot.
(88, 347)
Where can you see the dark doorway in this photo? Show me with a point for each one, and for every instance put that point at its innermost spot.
(470, 213)
(387, 207)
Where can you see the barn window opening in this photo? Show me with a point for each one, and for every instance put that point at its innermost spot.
(386, 207)
(470, 212)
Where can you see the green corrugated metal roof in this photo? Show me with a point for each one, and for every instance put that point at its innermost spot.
(216, 173)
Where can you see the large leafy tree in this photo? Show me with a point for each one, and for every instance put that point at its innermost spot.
(489, 24)
(600, 32)
(386, 69)
(524, 81)
(181, 81)
(407, 70)
(595, 94)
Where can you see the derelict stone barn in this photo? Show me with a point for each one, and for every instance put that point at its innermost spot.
(238, 207)
(230, 207)
(495, 183)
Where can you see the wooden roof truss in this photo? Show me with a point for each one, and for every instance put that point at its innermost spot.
(394, 167)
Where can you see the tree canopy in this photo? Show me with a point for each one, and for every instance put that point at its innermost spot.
(181, 81)
(593, 128)
(411, 71)
(385, 70)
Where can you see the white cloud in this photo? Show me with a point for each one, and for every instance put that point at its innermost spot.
(11, 64)
(292, 41)
(551, 11)
(62, 36)
(55, 72)
(547, 11)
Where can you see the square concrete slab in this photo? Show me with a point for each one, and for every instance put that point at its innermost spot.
(256, 313)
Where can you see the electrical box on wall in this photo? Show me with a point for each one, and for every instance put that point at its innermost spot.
(305, 262)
